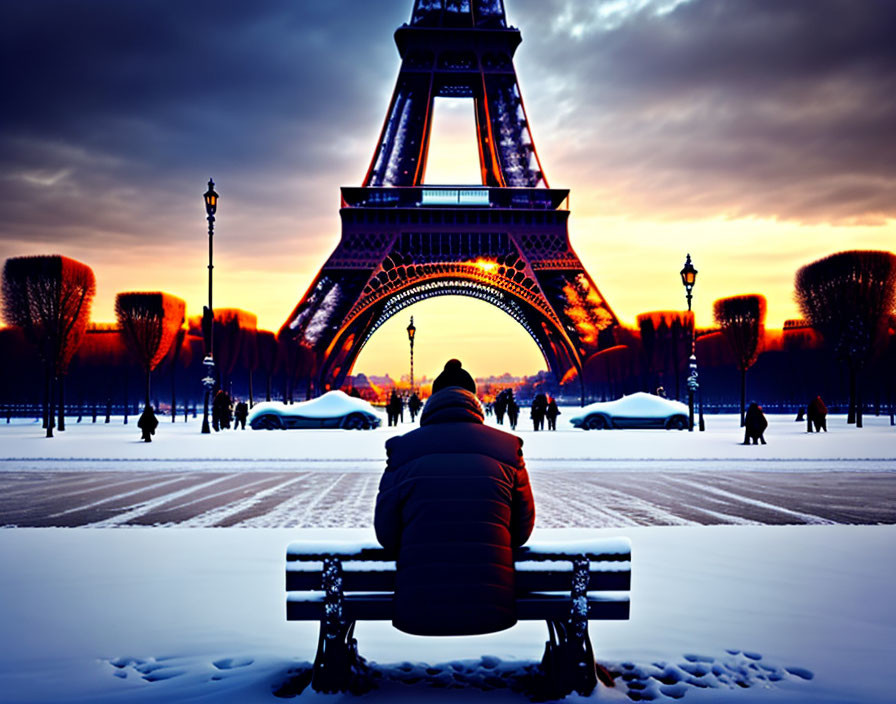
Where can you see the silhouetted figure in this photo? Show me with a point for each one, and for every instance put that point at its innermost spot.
(754, 425)
(221, 410)
(240, 414)
(148, 424)
(539, 409)
(393, 408)
(551, 414)
(501, 407)
(513, 411)
(661, 392)
(817, 415)
(452, 525)
(414, 406)
(800, 415)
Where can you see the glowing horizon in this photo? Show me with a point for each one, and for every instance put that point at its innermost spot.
(737, 147)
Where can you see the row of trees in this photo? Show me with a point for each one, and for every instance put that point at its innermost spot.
(48, 300)
(847, 300)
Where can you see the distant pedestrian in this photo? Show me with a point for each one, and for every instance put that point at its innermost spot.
(501, 407)
(221, 410)
(817, 416)
(661, 392)
(148, 424)
(755, 424)
(393, 408)
(513, 411)
(539, 409)
(414, 406)
(240, 414)
(552, 414)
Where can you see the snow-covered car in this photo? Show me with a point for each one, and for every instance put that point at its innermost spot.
(638, 410)
(334, 409)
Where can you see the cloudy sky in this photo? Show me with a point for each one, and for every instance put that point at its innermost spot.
(758, 135)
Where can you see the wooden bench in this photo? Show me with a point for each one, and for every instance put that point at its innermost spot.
(564, 584)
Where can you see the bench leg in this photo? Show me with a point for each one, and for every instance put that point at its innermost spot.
(568, 663)
(337, 665)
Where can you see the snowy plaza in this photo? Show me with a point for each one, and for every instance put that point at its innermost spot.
(384, 415)
(759, 592)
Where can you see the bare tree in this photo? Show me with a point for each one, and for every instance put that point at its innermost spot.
(742, 322)
(232, 328)
(49, 297)
(149, 322)
(666, 341)
(848, 297)
(176, 357)
(250, 359)
(266, 348)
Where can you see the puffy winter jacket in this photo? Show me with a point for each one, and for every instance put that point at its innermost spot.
(453, 503)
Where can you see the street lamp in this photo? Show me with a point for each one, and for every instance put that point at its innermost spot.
(411, 332)
(208, 381)
(688, 279)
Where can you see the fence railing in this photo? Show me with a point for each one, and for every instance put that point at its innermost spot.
(93, 413)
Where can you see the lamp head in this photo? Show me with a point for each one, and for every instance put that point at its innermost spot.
(211, 198)
(688, 274)
(411, 330)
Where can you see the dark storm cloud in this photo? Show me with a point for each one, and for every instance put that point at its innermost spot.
(114, 110)
(773, 108)
(115, 113)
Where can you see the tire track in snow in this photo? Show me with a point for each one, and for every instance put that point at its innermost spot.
(807, 518)
(287, 513)
(45, 504)
(302, 511)
(178, 479)
(228, 515)
(145, 507)
(237, 487)
(561, 503)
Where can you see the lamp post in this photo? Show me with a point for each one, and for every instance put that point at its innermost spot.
(688, 279)
(411, 332)
(208, 381)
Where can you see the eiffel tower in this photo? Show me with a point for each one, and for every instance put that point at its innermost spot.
(504, 241)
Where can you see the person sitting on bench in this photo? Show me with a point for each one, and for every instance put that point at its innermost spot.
(453, 503)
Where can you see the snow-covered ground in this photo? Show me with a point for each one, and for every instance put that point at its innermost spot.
(739, 613)
(789, 446)
(719, 614)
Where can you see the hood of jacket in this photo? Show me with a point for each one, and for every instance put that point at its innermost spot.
(452, 405)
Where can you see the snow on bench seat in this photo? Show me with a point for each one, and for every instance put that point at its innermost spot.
(599, 549)
(544, 576)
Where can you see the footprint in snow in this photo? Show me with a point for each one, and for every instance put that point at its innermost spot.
(232, 663)
(736, 669)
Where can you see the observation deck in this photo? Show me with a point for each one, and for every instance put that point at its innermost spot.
(455, 196)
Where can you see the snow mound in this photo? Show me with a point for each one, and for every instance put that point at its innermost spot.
(332, 404)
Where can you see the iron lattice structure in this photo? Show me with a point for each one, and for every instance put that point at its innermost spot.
(505, 241)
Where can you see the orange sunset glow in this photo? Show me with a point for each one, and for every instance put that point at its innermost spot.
(663, 152)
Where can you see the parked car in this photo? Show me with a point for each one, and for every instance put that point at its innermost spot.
(638, 410)
(334, 409)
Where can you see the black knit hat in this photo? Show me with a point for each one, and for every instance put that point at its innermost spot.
(454, 375)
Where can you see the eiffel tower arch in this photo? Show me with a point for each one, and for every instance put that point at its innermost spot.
(504, 241)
